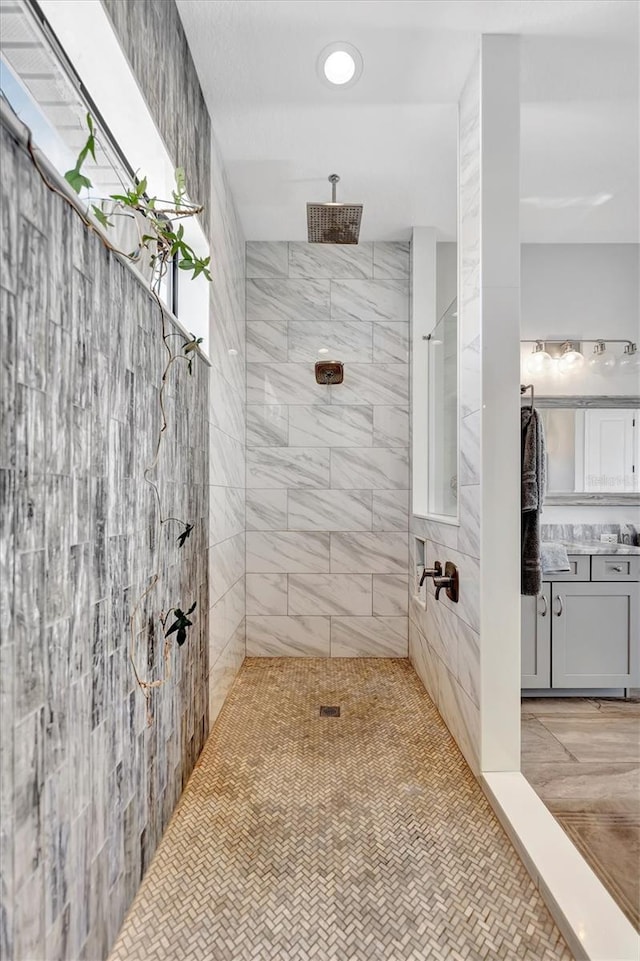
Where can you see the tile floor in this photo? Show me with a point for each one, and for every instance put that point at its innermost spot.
(582, 757)
(363, 836)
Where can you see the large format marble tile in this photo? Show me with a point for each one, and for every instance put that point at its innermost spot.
(226, 513)
(597, 739)
(287, 467)
(390, 343)
(288, 636)
(390, 594)
(369, 637)
(367, 552)
(267, 593)
(350, 342)
(329, 510)
(225, 616)
(267, 426)
(391, 259)
(287, 551)
(226, 566)
(266, 509)
(470, 429)
(390, 510)
(390, 426)
(375, 468)
(267, 341)
(538, 744)
(284, 384)
(370, 300)
(384, 384)
(330, 426)
(331, 262)
(330, 594)
(226, 459)
(267, 259)
(556, 781)
(290, 300)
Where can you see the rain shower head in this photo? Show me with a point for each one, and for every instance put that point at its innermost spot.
(333, 223)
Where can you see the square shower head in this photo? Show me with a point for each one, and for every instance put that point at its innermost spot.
(333, 223)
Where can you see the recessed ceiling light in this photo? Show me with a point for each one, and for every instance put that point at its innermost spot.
(323, 350)
(340, 64)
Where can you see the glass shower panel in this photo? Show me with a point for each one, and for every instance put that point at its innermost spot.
(443, 415)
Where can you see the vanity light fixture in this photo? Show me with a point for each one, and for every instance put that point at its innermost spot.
(571, 358)
(340, 64)
(566, 356)
(602, 361)
(630, 360)
(540, 361)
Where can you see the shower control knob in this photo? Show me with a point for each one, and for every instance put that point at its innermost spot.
(434, 572)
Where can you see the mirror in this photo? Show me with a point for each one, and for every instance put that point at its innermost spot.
(443, 414)
(593, 449)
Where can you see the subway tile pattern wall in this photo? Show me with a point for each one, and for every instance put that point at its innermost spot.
(87, 785)
(327, 466)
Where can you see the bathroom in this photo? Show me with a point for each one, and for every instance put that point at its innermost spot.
(233, 720)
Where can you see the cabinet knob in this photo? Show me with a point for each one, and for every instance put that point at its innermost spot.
(616, 568)
(560, 606)
(543, 612)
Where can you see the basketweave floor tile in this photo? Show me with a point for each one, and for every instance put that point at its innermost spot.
(307, 836)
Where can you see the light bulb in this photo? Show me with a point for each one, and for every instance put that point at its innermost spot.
(602, 361)
(339, 67)
(539, 361)
(630, 360)
(571, 359)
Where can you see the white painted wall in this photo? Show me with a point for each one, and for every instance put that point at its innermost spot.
(579, 291)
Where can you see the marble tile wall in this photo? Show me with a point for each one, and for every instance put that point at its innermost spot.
(172, 91)
(87, 786)
(444, 638)
(226, 441)
(327, 466)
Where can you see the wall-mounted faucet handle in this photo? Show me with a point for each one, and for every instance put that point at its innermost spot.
(434, 572)
(449, 581)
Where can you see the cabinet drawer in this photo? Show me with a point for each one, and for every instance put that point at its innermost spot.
(615, 567)
(580, 570)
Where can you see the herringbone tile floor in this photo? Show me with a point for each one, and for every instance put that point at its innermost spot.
(358, 838)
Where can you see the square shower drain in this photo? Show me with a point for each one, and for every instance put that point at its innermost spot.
(332, 710)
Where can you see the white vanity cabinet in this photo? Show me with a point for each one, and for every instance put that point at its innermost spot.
(583, 630)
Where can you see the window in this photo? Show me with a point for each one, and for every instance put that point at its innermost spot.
(44, 90)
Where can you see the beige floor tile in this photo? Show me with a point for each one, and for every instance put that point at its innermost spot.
(539, 743)
(363, 837)
(610, 738)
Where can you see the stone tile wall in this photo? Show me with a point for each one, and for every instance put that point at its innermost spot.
(87, 786)
(327, 466)
(444, 639)
(226, 441)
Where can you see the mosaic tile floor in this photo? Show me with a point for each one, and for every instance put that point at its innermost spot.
(582, 757)
(362, 837)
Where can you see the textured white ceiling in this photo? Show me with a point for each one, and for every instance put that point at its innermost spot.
(392, 137)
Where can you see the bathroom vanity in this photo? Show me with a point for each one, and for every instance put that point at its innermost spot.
(582, 632)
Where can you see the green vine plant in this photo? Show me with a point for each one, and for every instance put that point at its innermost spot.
(160, 240)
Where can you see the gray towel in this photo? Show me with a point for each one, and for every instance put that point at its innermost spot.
(554, 557)
(533, 464)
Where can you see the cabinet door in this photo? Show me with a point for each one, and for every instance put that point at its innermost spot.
(535, 666)
(596, 635)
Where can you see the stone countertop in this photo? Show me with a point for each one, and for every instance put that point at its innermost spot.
(597, 547)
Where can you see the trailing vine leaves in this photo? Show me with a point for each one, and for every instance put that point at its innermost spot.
(163, 238)
(181, 624)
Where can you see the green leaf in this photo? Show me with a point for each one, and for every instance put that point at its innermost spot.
(186, 265)
(181, 183)
(100, 216)
(77, 180)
